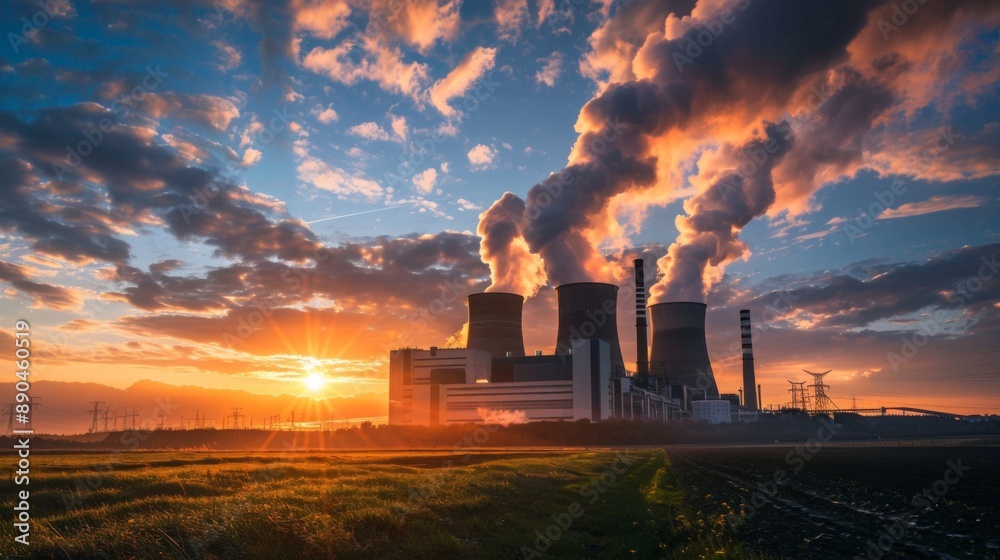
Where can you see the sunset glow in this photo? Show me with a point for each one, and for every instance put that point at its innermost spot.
(269, 210)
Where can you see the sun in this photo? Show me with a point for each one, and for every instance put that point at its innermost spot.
(314, 381)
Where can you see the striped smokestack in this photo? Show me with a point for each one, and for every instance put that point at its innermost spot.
(641, 338)
(749, 381)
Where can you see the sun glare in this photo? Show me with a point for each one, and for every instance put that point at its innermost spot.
(314, 381)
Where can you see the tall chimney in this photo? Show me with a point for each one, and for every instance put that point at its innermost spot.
(589, 310)
(749, 379)
(641, 338)
(679, 352)
(495, 324)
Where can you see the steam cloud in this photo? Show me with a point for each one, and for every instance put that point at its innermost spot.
(766, 101)
(502, 417)
(513, 268)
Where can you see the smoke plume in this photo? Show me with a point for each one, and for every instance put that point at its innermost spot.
(814, 82)
(513, 267)
(740, 190)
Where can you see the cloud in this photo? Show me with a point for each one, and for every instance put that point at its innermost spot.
(467, 205)
(938, 203)
(207, 110)
(510, 16)
(322, 18)
(615, 42)
(366, 58)
(369, 131)
(338, 181)
(403, 273)
(251, 156)
(400, 129)
(76, 211)
(419, 23)
(551, 70)
(862, 295)
(662, 105)
(325, 115)
(425, 180)
(546, 9)
(43, 295)
(231, 57)
(461, 79)
(481, 156)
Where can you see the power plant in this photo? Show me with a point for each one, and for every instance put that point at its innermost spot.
(492, 377)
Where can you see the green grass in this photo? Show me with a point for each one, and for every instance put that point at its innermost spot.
(360, 505)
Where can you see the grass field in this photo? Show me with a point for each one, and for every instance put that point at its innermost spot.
(600, 504)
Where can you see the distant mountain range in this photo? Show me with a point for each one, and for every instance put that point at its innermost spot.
(67, 407)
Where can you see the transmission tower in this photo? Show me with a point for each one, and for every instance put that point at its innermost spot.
(132, 416)
(105, 417)
(96, 415)
(821, 401)
(800, 399)
(236, 417)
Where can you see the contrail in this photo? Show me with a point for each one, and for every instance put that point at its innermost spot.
(359, 213)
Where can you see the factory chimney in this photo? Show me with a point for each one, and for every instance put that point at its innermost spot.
(495, 324)
(641, 338)
(679, 352)
(589, 310)
(749, 379)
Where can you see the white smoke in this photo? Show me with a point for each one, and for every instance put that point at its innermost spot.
(502, 417)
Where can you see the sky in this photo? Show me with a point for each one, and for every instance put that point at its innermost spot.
(244, 194)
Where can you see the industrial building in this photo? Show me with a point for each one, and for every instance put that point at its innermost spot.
(585, 378)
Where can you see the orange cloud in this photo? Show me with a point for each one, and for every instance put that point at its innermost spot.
(938, 203)
(461, 79)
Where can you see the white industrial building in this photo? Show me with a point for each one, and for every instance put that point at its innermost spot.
(448, 386)
(713, 411)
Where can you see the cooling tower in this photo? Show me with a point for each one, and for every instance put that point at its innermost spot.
(589, 310)
(679, 352)
(495, 324)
